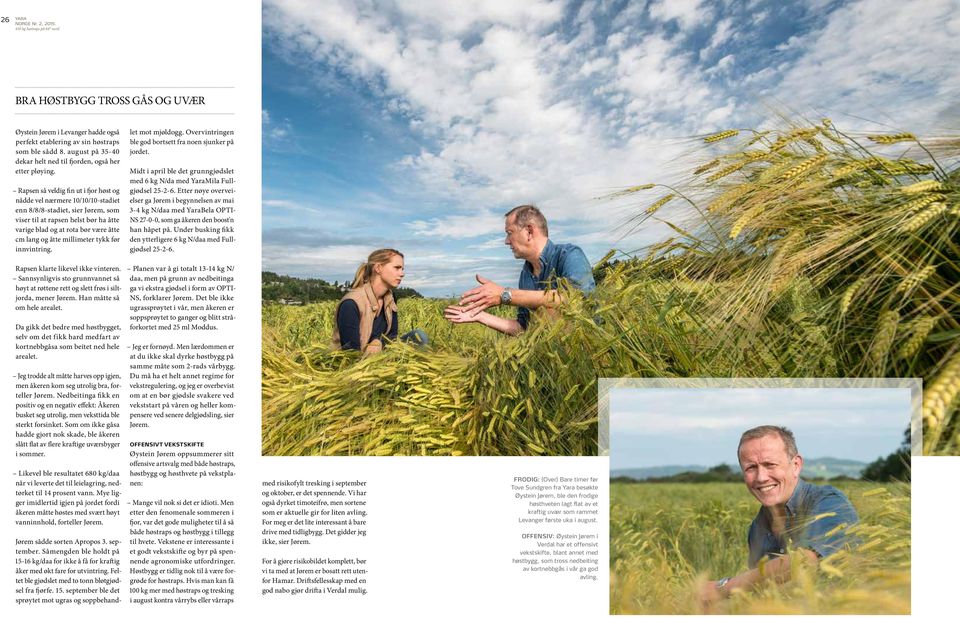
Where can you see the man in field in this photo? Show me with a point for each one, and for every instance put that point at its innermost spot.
(793, 513)
(544, 264)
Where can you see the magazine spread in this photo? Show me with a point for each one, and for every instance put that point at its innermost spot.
(528, 309)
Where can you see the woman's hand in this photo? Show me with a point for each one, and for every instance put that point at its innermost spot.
(374, 347)
(460, 315)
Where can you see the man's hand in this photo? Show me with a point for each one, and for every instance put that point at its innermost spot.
(776, 570)
(460, 315)
(484, 296)
(708, 594)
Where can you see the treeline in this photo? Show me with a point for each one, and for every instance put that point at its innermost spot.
(893, 467)
(295, 291)
(717, 474)
(703, 478)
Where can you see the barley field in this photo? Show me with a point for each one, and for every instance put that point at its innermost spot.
(470, 393)
(796, 252)
(666, 539)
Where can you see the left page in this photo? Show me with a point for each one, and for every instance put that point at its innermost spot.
(131, 235)
(135, 480)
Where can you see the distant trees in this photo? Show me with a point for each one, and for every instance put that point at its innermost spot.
(718, 474)
(893, 467)
(277, 288)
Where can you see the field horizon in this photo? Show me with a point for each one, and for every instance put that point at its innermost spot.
(821, 467)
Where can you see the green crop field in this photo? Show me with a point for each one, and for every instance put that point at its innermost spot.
(801, 252)
(666, 539)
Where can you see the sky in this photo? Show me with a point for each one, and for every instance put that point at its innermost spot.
(416, 125)
(686, 426)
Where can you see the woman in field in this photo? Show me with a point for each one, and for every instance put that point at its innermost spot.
(366, 317)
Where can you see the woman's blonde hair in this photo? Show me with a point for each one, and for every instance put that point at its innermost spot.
(380, 256)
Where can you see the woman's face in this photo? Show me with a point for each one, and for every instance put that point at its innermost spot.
(391, 273)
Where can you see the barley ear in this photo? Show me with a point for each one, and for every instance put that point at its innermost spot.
(937, 399)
